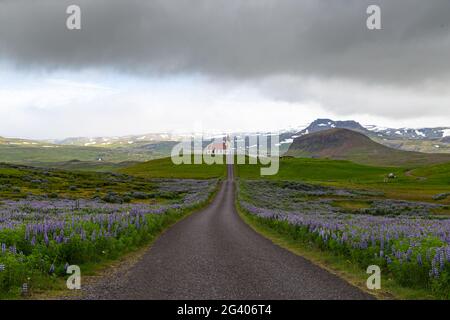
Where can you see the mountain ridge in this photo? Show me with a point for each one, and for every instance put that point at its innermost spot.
(321, 124)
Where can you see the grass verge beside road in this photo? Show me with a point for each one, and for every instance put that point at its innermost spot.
(338, 265)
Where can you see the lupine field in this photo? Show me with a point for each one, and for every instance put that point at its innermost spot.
(42, 234)
(409, 240)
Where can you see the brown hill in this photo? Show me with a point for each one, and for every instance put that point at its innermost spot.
(344, 144)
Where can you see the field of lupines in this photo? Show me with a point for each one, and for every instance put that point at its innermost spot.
(41, 237)
(410, 241)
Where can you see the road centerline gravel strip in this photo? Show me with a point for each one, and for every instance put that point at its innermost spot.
(213, 254)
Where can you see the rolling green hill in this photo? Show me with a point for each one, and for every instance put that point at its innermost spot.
(439, 173)
(344, 144)
(165, 168)
(38, 154)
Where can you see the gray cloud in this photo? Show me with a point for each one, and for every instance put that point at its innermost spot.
(234, 39)
(300, 52)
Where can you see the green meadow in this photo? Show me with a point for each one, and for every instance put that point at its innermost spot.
(165, 168)
(421, 183)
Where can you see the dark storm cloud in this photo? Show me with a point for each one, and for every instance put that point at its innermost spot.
(234, 39)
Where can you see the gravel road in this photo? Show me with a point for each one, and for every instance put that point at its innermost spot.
(213, 254)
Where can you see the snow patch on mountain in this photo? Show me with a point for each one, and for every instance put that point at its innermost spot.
(445, 133)
(419, 133)
(287, 141)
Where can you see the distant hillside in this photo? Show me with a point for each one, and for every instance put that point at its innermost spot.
(120, 141)
(20, 142)
(350, 145)
(37, 153)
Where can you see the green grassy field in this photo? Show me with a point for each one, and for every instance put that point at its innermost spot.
(92, 166)
(408, 184)
(411, 184)
(165, 168)
(438, 173)
(321, 170)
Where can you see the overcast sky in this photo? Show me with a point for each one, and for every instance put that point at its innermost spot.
(222, 65)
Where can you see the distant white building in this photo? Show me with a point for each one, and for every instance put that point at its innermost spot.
(217, 148)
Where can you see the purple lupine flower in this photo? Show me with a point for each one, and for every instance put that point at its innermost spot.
(408, 254)
(46, 240)
(441, 260)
